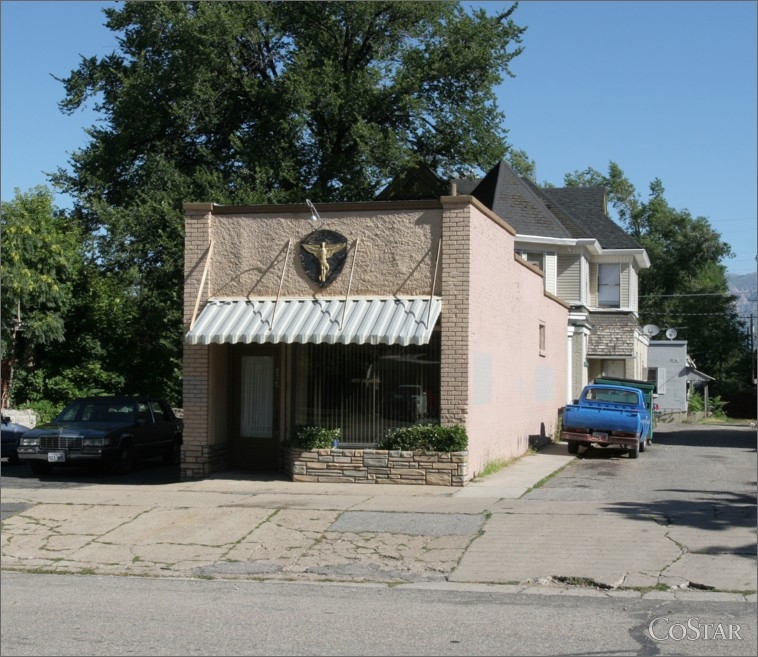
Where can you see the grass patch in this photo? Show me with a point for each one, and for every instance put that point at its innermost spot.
(723, 419)
(495, 466)
(544, 480)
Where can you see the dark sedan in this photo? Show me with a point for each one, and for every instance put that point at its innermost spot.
(116, 431)
(11, 435)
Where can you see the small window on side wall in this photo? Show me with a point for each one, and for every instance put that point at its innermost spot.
(542, 338)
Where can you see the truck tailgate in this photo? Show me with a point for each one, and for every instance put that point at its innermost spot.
(602, 419)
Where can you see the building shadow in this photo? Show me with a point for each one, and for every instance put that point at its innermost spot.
(716, 511)
(708, 436)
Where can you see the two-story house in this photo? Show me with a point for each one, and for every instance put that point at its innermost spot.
(588, 261)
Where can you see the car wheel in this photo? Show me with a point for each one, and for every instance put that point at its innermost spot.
(634, 451)
(573, 447)
(125, 458)
(174, 454)
(13, 459)
(40, 468)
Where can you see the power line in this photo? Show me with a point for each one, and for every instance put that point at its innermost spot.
(698, 294)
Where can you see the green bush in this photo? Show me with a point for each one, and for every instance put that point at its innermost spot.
(695, 403)
(315, 437)
(716, 405)
(45, 410)
(426, 438)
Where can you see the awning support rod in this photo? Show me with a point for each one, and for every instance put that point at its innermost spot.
(434, 280)
(281, 281)
(350, 281)
(202, 284)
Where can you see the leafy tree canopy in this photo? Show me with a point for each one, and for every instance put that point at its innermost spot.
(279, 101)
(40, 258)
(266, 102)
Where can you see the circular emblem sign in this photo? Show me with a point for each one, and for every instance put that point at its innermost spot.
(322, 254)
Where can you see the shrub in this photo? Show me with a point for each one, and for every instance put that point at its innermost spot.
(716, 405)
(695, 403)
(45, 410)
(425, 437)
(315, 437)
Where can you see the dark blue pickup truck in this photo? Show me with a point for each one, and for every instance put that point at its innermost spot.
(606, 415)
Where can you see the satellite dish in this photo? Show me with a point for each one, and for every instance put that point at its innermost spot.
(670, 333)
(651, 330)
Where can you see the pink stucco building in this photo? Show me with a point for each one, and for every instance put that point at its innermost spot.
(420, 312)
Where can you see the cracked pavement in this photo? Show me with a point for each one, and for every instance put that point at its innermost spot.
(583, 527)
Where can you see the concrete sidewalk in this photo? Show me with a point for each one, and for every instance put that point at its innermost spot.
(485, 534)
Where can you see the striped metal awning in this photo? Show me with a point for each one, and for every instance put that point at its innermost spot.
(372, 320)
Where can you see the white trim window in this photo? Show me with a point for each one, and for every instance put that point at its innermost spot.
(609, 285)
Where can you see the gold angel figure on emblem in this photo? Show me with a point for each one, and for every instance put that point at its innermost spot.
(323, 251)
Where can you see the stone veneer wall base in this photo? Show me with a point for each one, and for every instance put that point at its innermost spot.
(376, 466)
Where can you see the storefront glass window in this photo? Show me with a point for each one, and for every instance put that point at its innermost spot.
(365, 389)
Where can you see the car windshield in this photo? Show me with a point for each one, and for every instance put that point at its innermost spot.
(98, 411)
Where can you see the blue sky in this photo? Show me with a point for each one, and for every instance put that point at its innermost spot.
(664, 89)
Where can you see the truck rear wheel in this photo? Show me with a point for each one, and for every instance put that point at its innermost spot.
(573, 447)
(634, 451)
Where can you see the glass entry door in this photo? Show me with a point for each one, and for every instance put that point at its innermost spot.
(257, 397)
(255, 444)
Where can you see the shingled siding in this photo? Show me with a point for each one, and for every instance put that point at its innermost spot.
(378, 466)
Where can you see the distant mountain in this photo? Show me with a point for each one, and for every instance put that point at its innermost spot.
(743, 286)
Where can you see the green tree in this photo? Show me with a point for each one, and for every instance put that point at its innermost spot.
(621, 192)
(40, 261)
(522, 164)
(253, 102)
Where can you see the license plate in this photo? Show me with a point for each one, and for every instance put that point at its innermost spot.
(599, 434)
(56, 457)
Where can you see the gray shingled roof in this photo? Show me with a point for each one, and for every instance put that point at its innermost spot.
(586, 206)
(417, 183)
(576, 229)
(504, 192)
(573, 212)
(466, 185)
(560, 212)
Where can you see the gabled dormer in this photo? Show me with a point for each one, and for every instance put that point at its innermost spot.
(609, 265)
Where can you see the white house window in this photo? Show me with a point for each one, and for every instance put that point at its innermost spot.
(609, 285)
(533, 258)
